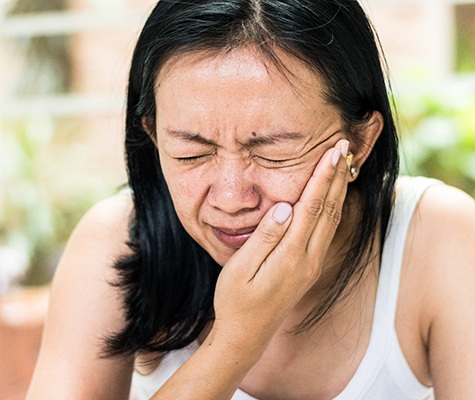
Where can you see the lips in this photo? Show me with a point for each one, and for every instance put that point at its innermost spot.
(233, 238)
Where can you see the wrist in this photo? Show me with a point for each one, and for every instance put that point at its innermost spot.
(241, 346)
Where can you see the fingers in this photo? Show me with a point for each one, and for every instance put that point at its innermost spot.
(337, 189)
(309, 225)
(266, 237)
(322, 199)
(333, 204)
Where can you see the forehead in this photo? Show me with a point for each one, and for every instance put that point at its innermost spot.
(246, 63)
(240, 91)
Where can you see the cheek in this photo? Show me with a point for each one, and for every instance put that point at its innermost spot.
(189, 189)
(279, 185)
(187, 194)
(185, 190)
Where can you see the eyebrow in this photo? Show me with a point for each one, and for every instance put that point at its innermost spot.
(267, 139)
(273, 138)
(188, 136)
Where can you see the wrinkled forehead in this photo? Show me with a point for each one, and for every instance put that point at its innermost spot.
(249, 62)
(229, 96)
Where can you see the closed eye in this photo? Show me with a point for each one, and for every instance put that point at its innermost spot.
(272, 161)
(190, 160)
(275, 163)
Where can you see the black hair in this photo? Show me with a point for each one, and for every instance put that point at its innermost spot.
(168, 282)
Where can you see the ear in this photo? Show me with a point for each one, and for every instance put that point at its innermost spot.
(363, 144)
(148, 125)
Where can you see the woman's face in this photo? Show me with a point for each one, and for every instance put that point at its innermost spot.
(235, 135)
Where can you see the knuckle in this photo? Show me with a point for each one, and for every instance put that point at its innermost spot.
(315, 207)
(310, 274)
(331, 208)
(336, 218)
(293, 250)
(342, 171)
(333, 212)
(269, 235)
(327, 178)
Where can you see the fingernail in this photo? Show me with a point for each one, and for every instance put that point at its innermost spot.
(336, 156)
(344, 147)
(282, 212)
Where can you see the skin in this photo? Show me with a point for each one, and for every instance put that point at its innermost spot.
(218, 151)
(227, 200)
(228, 152)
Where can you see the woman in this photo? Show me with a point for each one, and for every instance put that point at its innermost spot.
(266, 250)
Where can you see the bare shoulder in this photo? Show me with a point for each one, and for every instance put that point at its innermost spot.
(97, 242)
(84, 309)
(110, 216)
(445, 223)
(443, 237)
(443, 230)
(100, 238)
(447, 204)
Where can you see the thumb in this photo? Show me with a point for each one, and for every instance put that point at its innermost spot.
(264, 239)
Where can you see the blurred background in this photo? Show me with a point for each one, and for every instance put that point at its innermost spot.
(63, 67)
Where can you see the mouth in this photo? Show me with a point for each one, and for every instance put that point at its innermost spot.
(234, 238)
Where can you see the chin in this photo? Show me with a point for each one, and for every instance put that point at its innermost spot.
(218, 252)
(221, 256)
(222, 259)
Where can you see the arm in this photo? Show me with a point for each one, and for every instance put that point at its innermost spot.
(83, 308)
(281, 261)
(448, 217)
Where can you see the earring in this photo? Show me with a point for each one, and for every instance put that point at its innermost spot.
(353, 170)
(349, 160)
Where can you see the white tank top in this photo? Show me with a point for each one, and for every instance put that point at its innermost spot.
(383, 373)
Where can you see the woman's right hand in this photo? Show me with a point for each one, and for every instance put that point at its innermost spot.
(282, 260)
(262, 282)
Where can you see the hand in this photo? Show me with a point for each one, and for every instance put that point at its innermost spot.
(282, 260)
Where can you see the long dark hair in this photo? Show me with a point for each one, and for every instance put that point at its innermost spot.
(168, 282)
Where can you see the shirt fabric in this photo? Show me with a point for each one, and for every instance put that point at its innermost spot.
(383, 373)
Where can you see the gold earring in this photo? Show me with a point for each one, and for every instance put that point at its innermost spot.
(349, 160)
(353, 170)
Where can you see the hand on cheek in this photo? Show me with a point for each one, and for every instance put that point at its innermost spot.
(284, 257)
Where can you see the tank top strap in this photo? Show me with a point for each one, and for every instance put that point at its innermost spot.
(408, 194)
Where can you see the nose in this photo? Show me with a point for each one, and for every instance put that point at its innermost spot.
(233, 188)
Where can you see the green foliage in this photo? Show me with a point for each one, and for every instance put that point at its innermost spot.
(40, 203)
(41, 200)
(438, 138)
